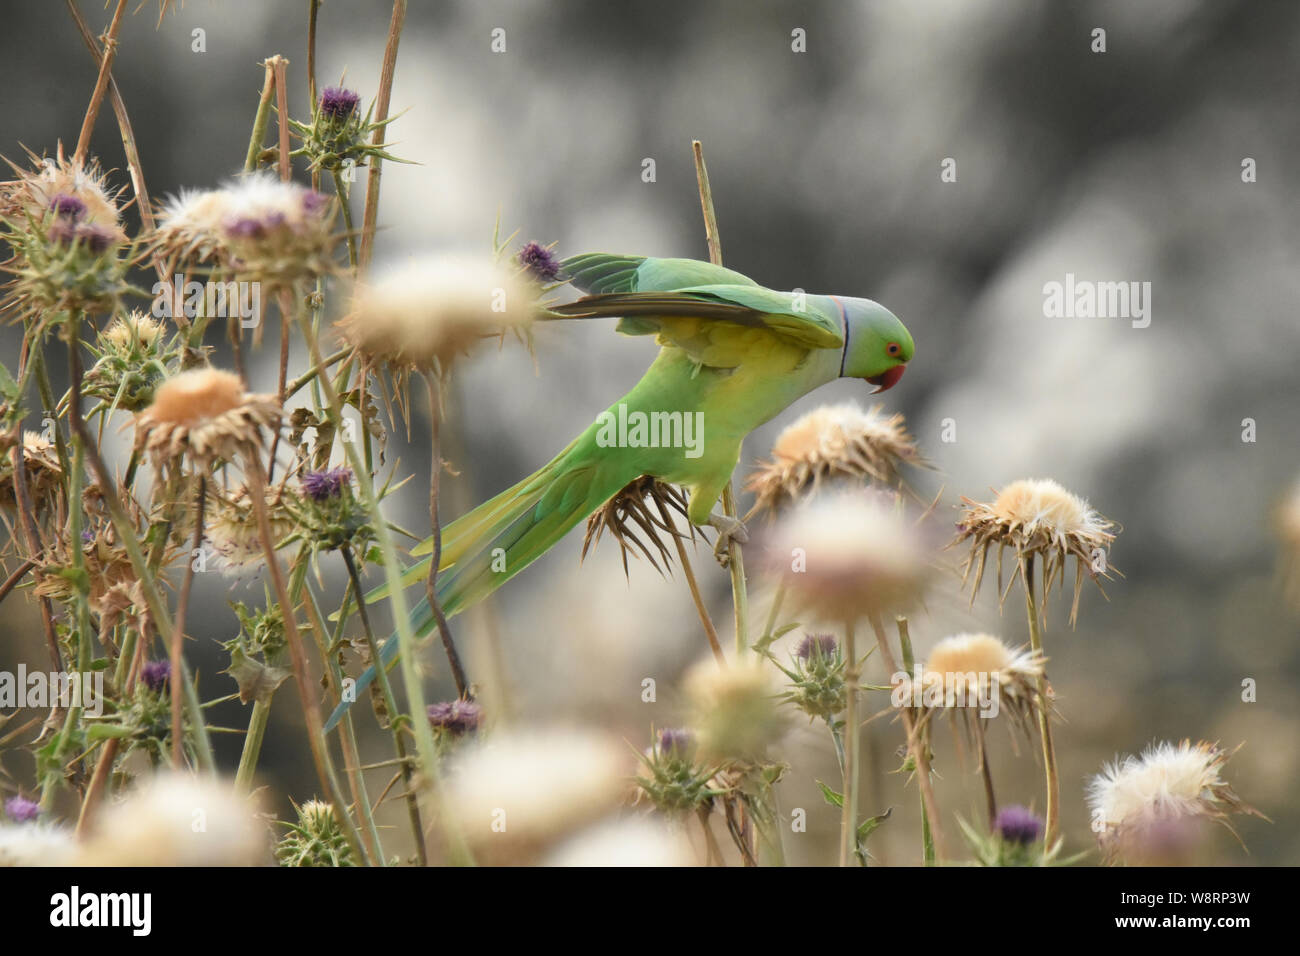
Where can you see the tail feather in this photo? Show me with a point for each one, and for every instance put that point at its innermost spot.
(498, 539)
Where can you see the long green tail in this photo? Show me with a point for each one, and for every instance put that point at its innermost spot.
(498, 539)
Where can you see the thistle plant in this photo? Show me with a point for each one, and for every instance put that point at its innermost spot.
(1039, 521)
(1145, 809)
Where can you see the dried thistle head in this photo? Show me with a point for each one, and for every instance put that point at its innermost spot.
(1036, 518)
(206, 415)
(110, 576)
(61, 221)
(60, 189)
(635, 518)
(829, 444)
(230, 527)
(1135, 801)
(41, 469)
(845, 555)
(256, 226)
(975, 676)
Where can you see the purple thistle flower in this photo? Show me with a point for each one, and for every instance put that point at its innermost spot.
(87, 535)
(539, 261)
(67, 206)
(321, 485)
(457, 717)
(675, 741)
(155, 674)
(1017, 824)
(816, 645)
(338, 103)
(21, 810)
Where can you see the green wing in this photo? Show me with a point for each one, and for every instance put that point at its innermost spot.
(598, 273)
(650, 294)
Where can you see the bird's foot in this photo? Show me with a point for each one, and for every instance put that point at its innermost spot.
(729, 530)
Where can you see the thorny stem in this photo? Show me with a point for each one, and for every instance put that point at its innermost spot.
(32, 541)
(1044, 720)
(710, 632)
(915, 746)
(282, 113)
(19, 573)
(313, 10)
(256, 733)
(261, 118)
(431, 582)
(306, 377)
(297, 654)
(849, 814)
(347, 736)
(345, 207)
(76, 546)
(178, 629)
(129, 147)
(909, 665)
(126, 533)
(990, 799)
(397, 598)
(395, 719)
(371, 215)
(101, 85)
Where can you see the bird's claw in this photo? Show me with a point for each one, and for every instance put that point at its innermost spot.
(729, 530)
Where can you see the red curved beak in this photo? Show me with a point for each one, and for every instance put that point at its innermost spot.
(887, 380)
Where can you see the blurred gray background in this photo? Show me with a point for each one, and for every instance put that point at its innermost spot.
(1125, 165)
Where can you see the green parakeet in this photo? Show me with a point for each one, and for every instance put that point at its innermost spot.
(732, 356)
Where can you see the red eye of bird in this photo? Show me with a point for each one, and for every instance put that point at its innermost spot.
(893, 348)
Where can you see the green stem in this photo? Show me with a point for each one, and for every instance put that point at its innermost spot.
(347, 735)
(260, 120)
(397, 598)
(1044, 720)
(909, 665)
(916, 747)
(75, 544)
(849, 817)
(257, 722)
(396, 719)
(346, 208)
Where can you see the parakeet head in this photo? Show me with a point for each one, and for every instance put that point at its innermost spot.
(877, 346)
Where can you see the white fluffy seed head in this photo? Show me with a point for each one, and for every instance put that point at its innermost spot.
(846, 554)
(429, 310)
(515, 793)
(1135, 801)
(179, 820)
